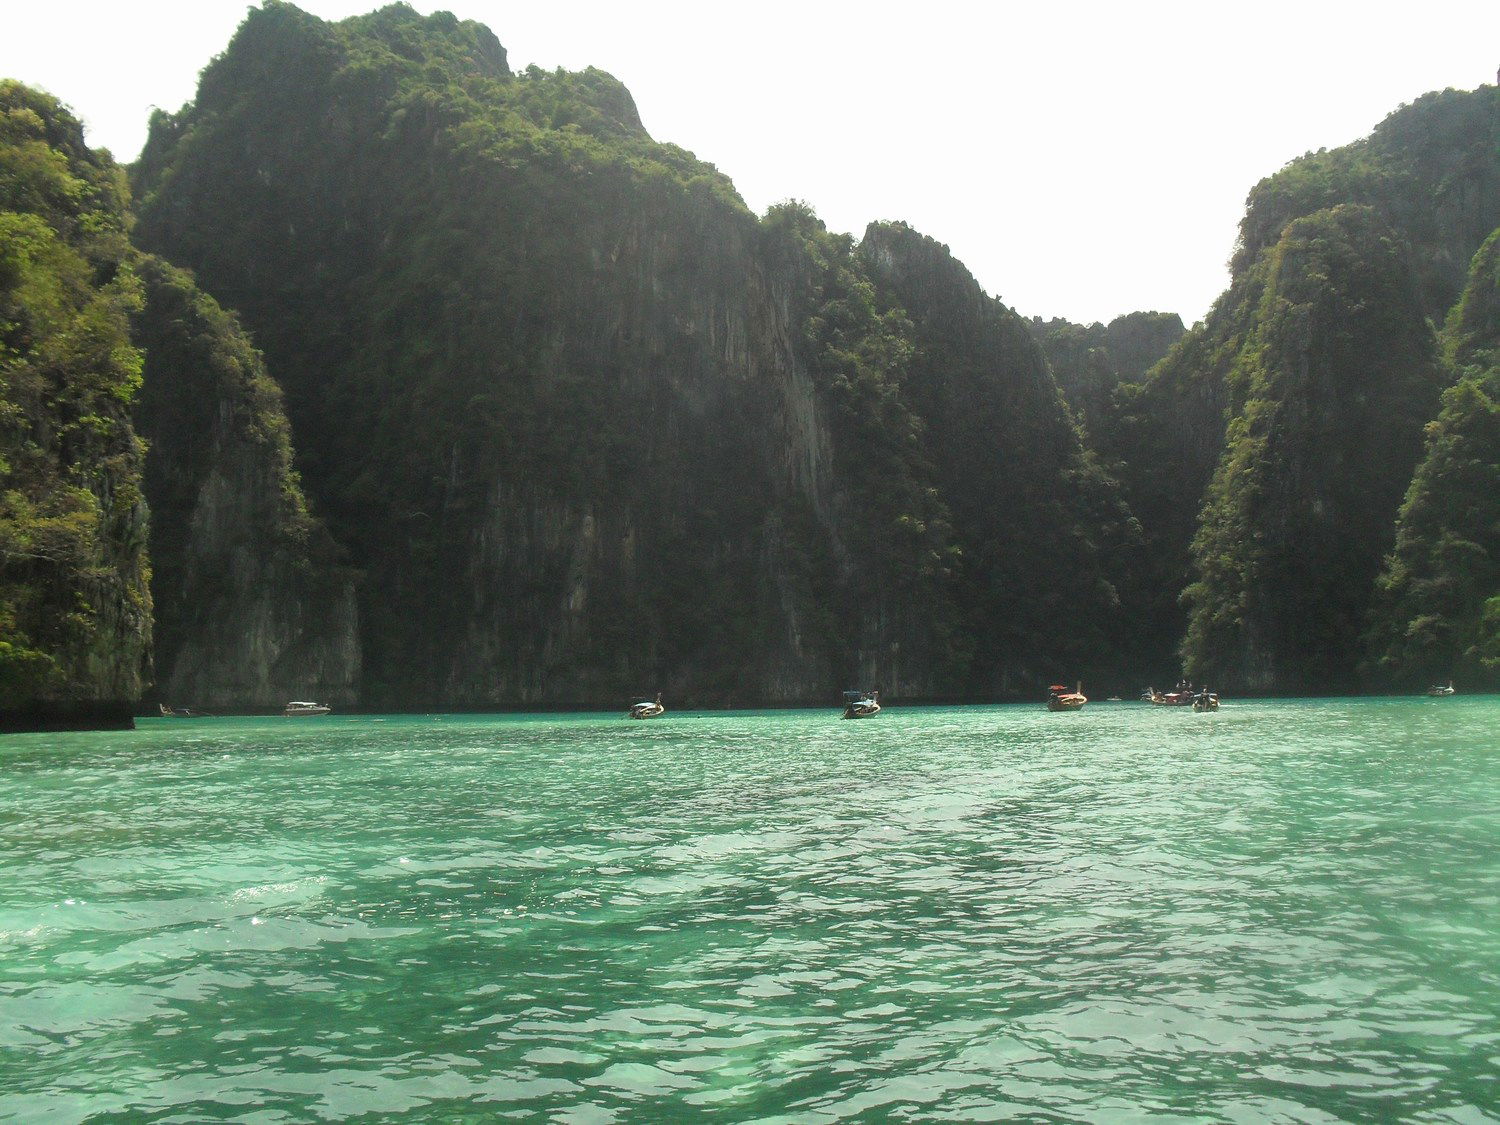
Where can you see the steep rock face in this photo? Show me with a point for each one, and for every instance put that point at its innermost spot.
(1163, 438)
(1437, 612)
(624, 533)
(75, 608)
(1332, 388)
(588, 428)
(252, 608)
(1042, 532)
(1430, 174)
(1089, 361)
(876, 543)
(537, 373)
(1136, 342)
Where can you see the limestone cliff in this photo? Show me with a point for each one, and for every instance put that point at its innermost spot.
(75, 608)
(588, 427)
(1429, 178)
(1089, 361)
(252, 608)
(1042, 533)
(576, 425)
(1430, 171)
(1331, 390)
(1437, 608)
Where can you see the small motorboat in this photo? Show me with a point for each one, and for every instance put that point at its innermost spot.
(1059, 698)
(299, 708)
(1439, 690)
(1206, 700)
(861, 704)
(646, 708)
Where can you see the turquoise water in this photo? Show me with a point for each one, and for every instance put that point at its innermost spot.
(1283, 912)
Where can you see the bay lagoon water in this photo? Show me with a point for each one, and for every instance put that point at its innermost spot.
(1288, 911)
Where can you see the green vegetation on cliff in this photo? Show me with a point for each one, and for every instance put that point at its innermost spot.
(1431, 172)
(581, 425)
(586, 425)
(1044, 537)
(101, 346)
(517, 346)
(1438, 607)
(889, 531)
(1162, 438)
(252, 604)
(75, 610)
(1090, 361)
(1429, 179)
(1340, 363)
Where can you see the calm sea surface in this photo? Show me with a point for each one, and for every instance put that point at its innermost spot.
(1284, 912)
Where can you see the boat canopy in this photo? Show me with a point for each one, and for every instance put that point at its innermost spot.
(1060, 688)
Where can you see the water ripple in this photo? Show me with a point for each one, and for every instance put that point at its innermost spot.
(1284, 912)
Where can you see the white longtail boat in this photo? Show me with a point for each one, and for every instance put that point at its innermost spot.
(646, 708)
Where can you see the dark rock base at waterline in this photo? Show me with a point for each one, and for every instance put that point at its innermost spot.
(41, 717)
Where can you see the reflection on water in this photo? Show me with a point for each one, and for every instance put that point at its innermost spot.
(1285, 911)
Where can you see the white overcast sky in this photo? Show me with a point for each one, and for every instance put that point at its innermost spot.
(1083, 159)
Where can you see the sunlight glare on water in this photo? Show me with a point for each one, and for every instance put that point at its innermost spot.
(1287, 911)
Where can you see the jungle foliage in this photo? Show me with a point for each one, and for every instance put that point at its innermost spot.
(74, 603)
(1091, 361)
(584, 425)
(1340, 362)
(1428, 180)
(507, 320)
(100, 347)
(1438, 600)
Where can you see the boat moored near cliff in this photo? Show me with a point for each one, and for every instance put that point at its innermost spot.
(646, 708)
(297, 708)
(1180, 696)
(1059, 698)
(1439, 690)
(182, 713)
(861, 704)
